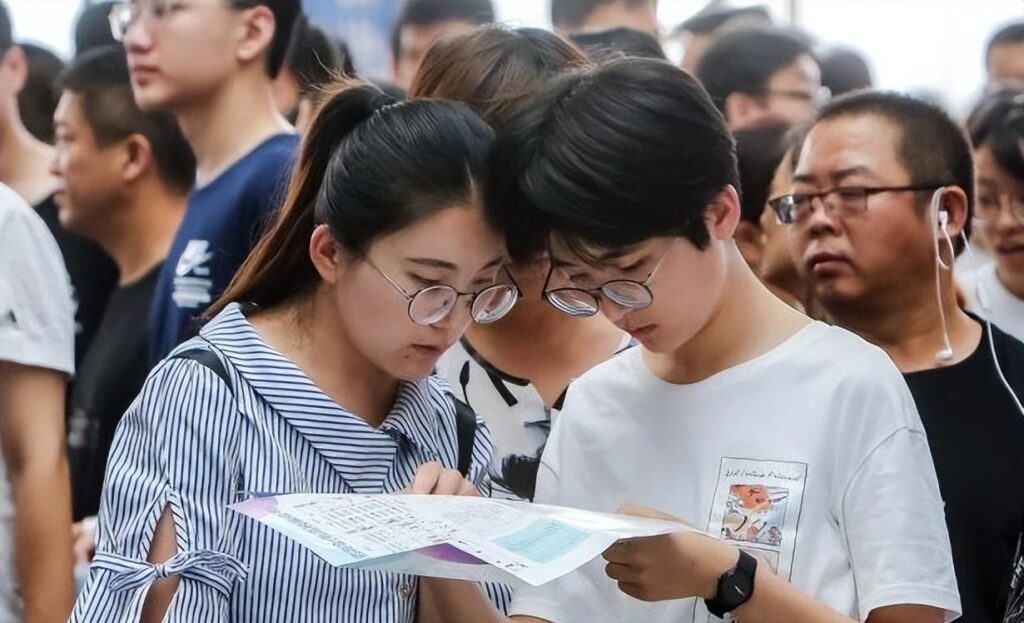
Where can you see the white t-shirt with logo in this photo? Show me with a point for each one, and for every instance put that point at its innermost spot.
(811, 456)
(36, 329)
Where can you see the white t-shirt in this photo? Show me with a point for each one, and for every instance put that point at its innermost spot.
(1001, 307)
(36, 329)
(812, 456)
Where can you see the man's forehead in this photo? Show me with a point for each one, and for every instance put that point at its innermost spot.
(863, 142)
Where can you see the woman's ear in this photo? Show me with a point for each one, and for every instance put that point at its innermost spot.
(326, 254)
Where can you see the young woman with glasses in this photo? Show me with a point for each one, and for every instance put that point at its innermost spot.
(313, 375)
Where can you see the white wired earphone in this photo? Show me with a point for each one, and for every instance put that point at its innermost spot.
(946, 354)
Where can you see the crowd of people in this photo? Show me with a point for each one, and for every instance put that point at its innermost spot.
(750, 293)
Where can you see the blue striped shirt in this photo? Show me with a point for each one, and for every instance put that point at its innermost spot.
(190, 443)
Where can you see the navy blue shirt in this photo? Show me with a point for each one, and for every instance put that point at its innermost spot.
(223, 221)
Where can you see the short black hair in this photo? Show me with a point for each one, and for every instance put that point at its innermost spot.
(931, 146)
(285, 13)
(744, 61)
(608, 157)
(426, 12)
(607, 44)
(759, 151)
(6, 30)
(714, 15)
(38, 99)
(843, 70)
(572, 14)
(1009, 34)
(92, 30)
(314, 58)
(100, 77)
(998, 123)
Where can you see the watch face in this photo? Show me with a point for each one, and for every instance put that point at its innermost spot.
(739, 588)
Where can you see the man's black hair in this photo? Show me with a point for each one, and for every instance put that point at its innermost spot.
(609, 157)
(100, 78)
(314, 58)
(92, 30)
(38, 99)
(759, 151)
(607, 44)
(427, 12)
(744, 61)
(6, 29)
(572, 14)
(715, 14)
(1010, 34)
(931, 147)
(843, 70)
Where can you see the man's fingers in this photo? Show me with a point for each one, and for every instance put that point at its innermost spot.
(620, 572)
(620, 552)
(426, 478)
(635, 591)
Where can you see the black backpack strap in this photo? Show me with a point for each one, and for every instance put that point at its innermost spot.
(465, 430)
(207, 359)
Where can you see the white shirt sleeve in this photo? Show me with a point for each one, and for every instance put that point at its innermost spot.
(36, 315)
(892, 517)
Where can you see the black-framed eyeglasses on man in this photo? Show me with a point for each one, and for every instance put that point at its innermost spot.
(583, 302)
(846, 200)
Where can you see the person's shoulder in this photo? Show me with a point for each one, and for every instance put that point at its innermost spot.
(620, 378)
(843, 355)
(15, 211)
(1009, 350)
(274, 155)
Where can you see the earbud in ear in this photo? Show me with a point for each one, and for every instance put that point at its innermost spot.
(944, 220)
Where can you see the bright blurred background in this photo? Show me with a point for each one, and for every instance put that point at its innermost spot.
(930, 47)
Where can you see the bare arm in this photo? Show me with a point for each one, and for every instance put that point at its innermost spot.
(32, 438)
(775, 601)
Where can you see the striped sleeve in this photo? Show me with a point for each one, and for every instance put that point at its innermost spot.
(175, 448)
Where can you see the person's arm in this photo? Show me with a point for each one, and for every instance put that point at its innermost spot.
(689, 564)
(32, 438)
(169, 481)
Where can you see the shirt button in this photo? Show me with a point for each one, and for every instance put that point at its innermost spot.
(405, 591)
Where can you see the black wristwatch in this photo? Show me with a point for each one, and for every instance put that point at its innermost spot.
(735, 587)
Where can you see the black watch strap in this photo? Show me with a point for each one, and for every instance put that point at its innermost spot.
(735, 587)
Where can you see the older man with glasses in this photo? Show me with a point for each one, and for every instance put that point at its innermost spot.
(881, 205)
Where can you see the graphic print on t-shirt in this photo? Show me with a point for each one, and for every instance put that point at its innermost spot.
(757, 507)
(193, 287)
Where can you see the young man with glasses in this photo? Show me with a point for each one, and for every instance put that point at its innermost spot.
(777, 435)
(882, 196)
(211, 63)
(762, 76)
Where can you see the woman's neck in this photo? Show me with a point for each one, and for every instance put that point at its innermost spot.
(310, 335)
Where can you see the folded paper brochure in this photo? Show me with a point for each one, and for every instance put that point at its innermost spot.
(463, 538)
